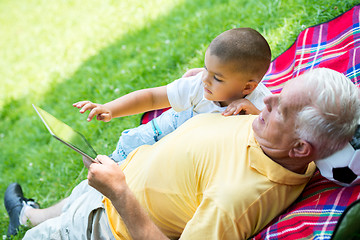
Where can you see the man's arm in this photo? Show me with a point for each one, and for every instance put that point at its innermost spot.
(133, 103)
(109, 179)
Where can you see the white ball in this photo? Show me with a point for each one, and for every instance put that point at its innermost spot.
(343, 167)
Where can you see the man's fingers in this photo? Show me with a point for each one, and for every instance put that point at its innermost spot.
(87, 162)
(104, 159)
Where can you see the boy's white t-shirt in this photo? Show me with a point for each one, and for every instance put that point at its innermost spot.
(185, 93)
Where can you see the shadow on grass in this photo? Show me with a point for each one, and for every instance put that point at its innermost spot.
(152, 56)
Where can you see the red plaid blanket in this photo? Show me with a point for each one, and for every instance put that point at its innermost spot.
(334, 44)
(315, 213)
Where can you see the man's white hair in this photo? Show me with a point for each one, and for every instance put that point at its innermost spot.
(330, 120)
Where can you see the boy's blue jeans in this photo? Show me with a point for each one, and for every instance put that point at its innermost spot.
(148, 134)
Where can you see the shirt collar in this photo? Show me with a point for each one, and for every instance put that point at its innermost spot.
(272, 170)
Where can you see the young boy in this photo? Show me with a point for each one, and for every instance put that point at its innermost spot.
(235, 63)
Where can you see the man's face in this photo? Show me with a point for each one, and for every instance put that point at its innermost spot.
(274, 128)
(221, 82)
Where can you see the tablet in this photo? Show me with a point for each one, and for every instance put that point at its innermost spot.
(66, 134)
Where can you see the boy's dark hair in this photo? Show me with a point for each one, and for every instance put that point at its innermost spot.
(244, 46)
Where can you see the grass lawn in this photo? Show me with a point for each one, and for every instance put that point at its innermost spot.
(54, 53)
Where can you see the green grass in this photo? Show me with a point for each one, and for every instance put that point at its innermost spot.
(54, 53)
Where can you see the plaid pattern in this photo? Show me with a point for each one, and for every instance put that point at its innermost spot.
(148, 116)
(334, 44)
(315, 213)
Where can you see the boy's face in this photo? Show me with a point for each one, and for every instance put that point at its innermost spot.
(221, 82)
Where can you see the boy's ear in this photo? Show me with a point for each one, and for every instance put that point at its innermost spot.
(249, 87)
(301, 149)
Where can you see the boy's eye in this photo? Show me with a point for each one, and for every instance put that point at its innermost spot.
(218, 79)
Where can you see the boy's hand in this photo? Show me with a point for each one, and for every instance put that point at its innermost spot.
(98, 110)
(241, 106)
(192, 72)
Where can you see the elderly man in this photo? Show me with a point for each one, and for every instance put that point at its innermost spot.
(214, 177)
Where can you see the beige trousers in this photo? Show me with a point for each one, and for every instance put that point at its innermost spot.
(83, 217)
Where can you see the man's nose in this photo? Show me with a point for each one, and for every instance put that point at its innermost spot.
(270, 101)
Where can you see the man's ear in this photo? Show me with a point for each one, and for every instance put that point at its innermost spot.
(249, 87)
(301, 149)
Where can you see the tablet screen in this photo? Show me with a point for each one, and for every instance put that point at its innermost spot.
(66, 134)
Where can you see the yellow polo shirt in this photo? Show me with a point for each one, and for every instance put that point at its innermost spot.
(209, 179)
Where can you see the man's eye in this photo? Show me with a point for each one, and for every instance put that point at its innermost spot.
(218, 79)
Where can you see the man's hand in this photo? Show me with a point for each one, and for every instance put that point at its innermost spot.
(241, 106)
(192, 72)
(107, 177)
(98, 110)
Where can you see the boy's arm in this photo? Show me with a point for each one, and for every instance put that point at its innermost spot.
(139, 101)
(129, 104)
(241, 106)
